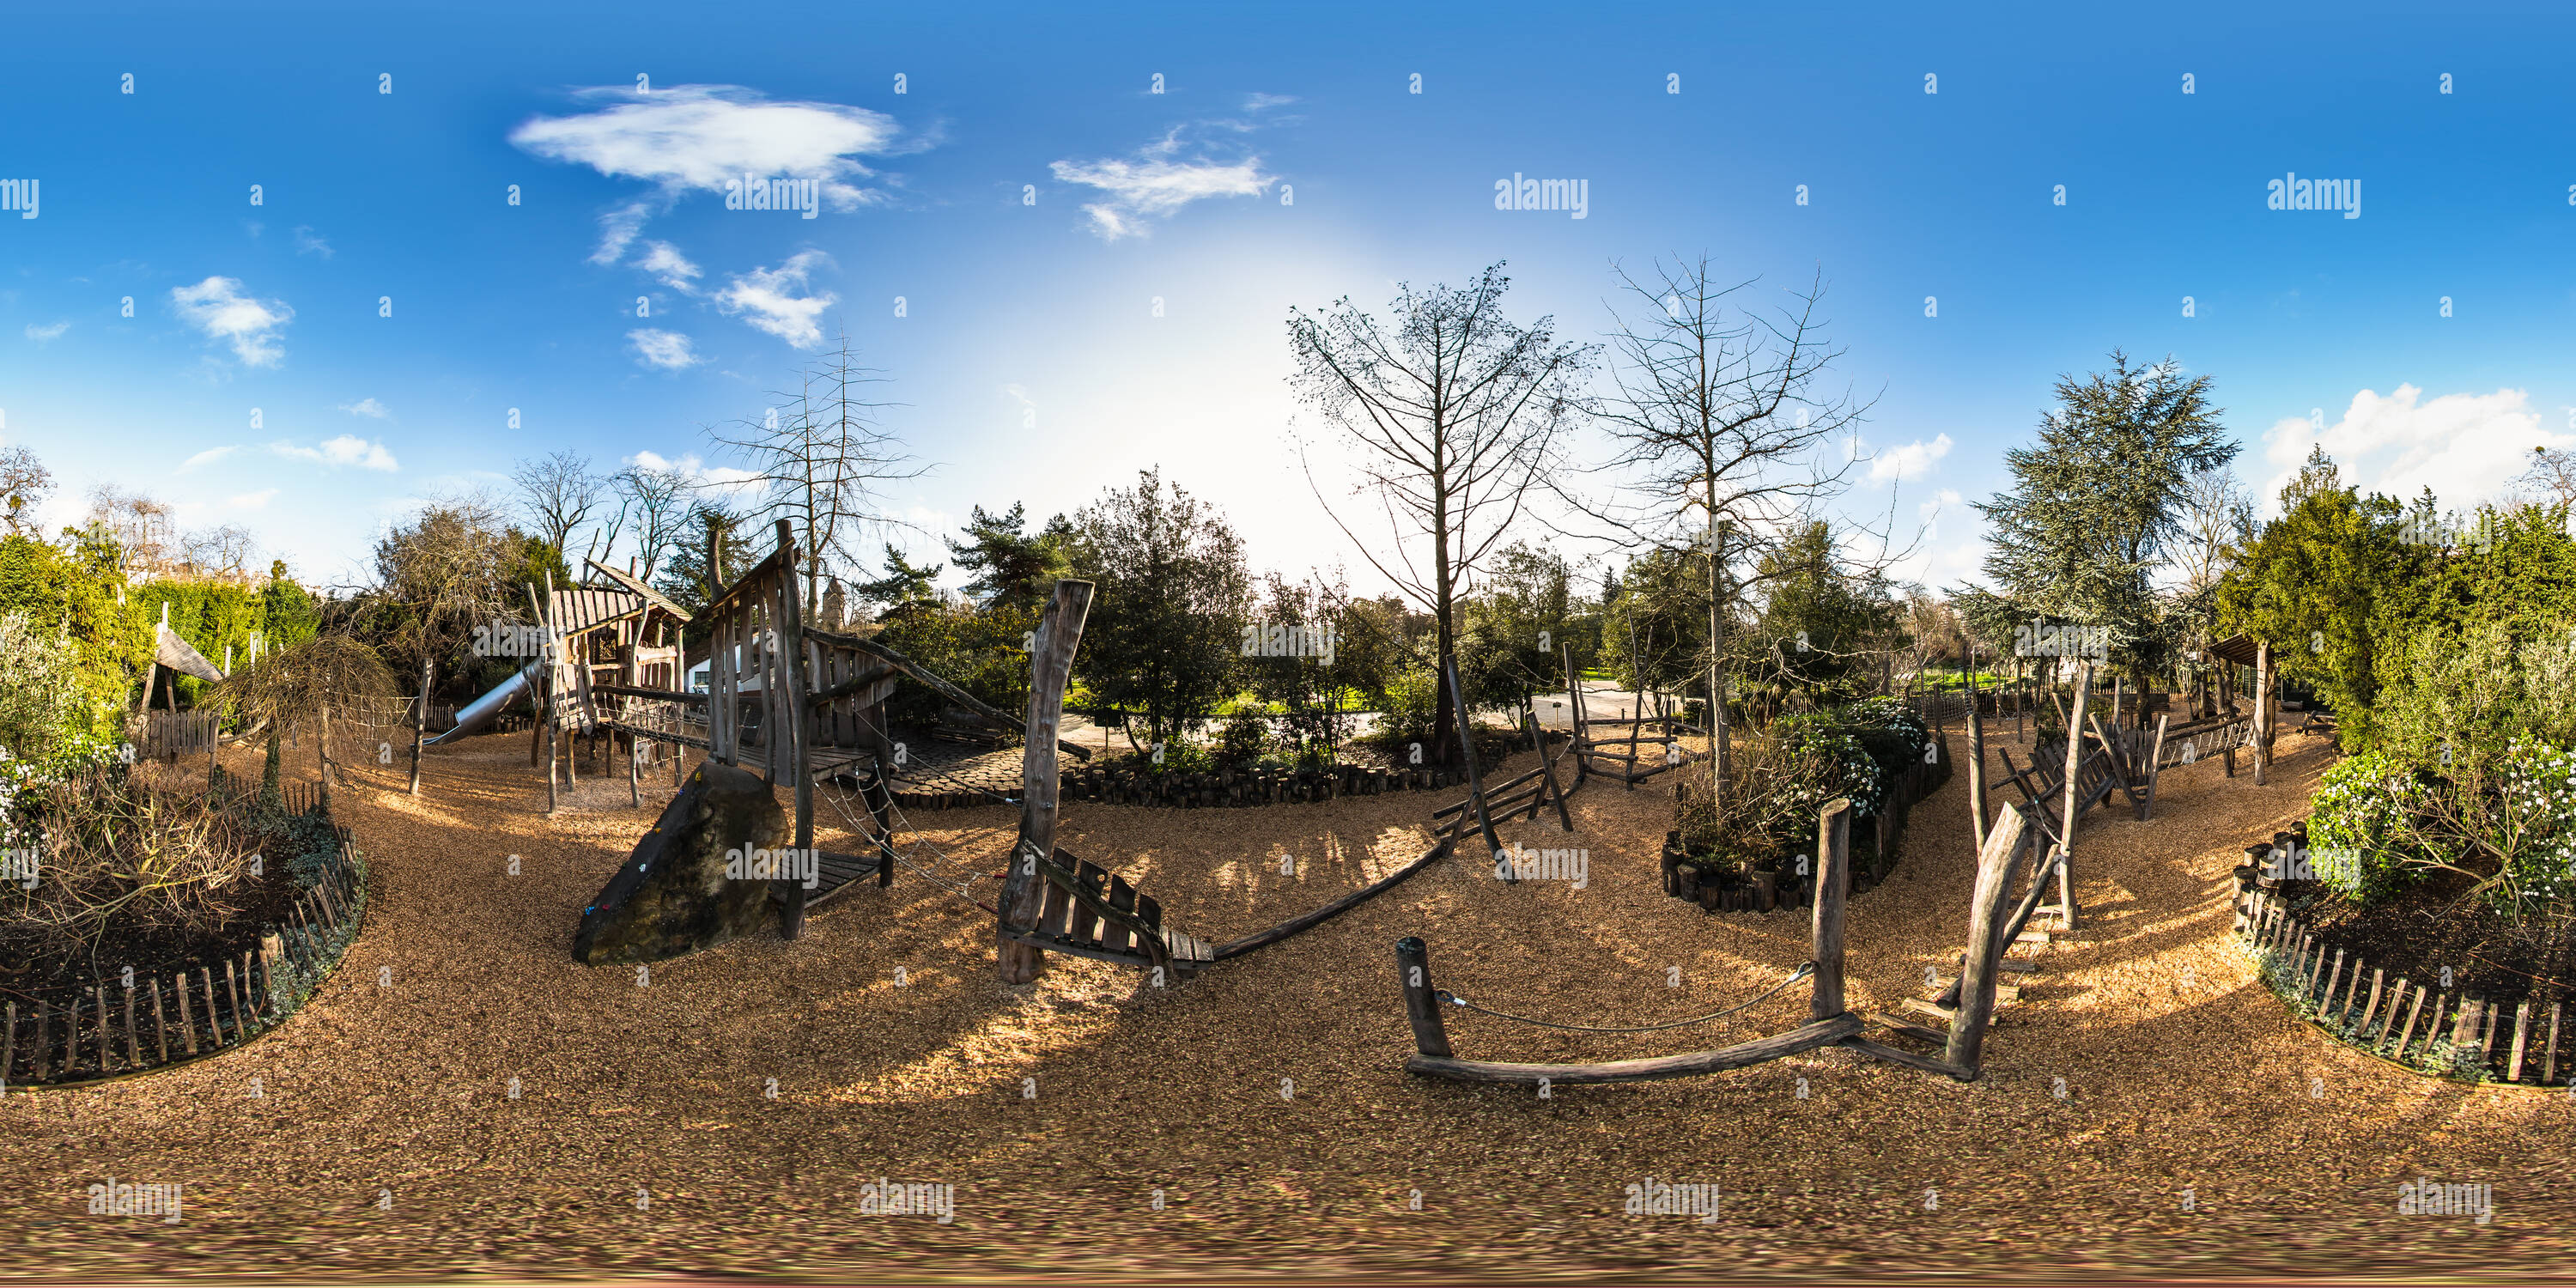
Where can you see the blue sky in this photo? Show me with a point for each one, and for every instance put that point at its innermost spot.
(1285, 163)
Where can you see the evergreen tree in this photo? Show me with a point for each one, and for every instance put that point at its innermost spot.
(1007, 566)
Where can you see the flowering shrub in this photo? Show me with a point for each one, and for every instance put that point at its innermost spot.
(2533, 825)
(1821, 760)
(2363, 816)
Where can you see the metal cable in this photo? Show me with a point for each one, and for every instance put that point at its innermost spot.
(1804, 970)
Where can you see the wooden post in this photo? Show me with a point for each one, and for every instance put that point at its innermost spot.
(791, 713)
(2521, 1037)
(1421, 1003)
(2389, 1021)
(133, 1049)
(1059, 634)
(1475, 780)
(2378, 978)
(44, 1037)
(214, 1019)
(1982, 962)
(2262, 710)
(1976, 757)
(187, 1023)
(160, 1026)
(2074, 770)
(420, 725)
(100, 992)
(1833, 883)
(2549, 1063)
(9, 1045)
(2155, 766)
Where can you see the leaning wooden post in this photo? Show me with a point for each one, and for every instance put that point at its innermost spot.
(2262, 710)
(1059, 633)
(792, 712)
(1575, 741)
(2155, 766)
(419, 725)
(1976, 756)
(1996, 860)
(2074, 770)
(1476, 781)
(1421, 1003)
(1833, 881)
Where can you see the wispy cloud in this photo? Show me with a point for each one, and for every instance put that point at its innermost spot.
(347, 449)
(1156, 182)
(308, 242)
(663, 350)
(49, 332)
(775, 301)
(208, 456)
(694, 137)
(664, 260)
(366, 407)
(252, 500)
(722, 478)
(217, 307)
(1912, 461)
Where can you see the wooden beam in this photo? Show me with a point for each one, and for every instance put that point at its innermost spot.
(1263, 939)
(1421, 1002)
(1467, 749)
(1050, 666)
(1806, 1037)
(1908, 1058)
(969, 702)
(1833, 882)
(1995, 863)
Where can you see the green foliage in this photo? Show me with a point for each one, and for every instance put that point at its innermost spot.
(1244, 739)
(2098, 498)
(1171, 594)
(44, 699)
(2311, 583)
(1818, 621)
(983, 652)
(71, 589)
(1010, 566)
(2364, 803)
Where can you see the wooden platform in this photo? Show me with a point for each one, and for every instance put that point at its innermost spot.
(1091, 912)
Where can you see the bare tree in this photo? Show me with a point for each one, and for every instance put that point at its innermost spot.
(819, 457)
(560, 492)
(1719, 413)
(657, 498)
(24, 484)
(139, 525)
(441, 576)
(2553, 471)
(226, 551)
(1454, 412)
(2217, 517)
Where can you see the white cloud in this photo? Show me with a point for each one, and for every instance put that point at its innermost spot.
(774, 298)
(252, 500)
(695, 137)
(1911, 461)
(722, 478)
(366, 407)
(217, 307)
(1941, 500)
(664, 260)
(2466, 447)
(664, 350)
(42, 334)
(1155, 183)
(208, 457)
(308, 242)
(1264, 102)
(347, 449)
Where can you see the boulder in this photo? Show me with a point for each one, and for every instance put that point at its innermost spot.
(672, 898)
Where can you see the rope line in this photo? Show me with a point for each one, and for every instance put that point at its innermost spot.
(1804, 970)
(958, 890)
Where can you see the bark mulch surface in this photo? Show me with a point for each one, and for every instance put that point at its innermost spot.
(1266, 1099)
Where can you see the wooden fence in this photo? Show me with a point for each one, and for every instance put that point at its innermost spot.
(110, 1028)
(2510, 1039)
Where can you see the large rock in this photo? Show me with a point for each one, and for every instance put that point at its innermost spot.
(672, 898)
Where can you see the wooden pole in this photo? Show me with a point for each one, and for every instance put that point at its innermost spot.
(1059, 634)
(1996, 859)
(2262, 710)
(2074, 770)
(1833, 882)
(420, 725)
(187, 1022)
(2155, 766)
(1475, 780)
(791, 714)
(1976, 755)
(160, 1026)
(1421, 1003)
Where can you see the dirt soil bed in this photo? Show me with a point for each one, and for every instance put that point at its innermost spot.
(1266, 1101)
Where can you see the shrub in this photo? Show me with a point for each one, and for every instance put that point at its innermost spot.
(1245, 737)
(2363, 805)
(43, 699)
(1412, 705)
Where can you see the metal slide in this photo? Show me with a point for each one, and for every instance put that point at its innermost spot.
(480, 711)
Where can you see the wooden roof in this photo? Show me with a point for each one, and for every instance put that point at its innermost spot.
(178, 655)
(635, 585)
(2236, 648)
